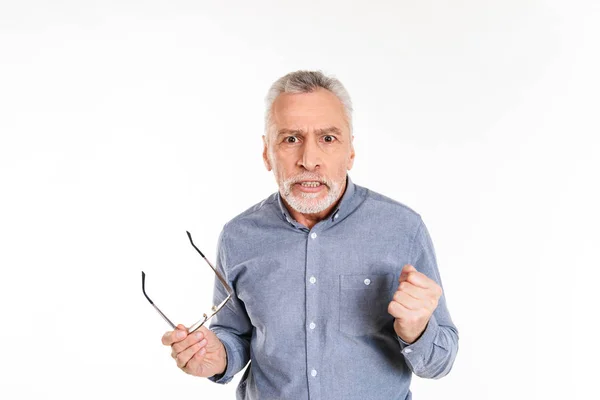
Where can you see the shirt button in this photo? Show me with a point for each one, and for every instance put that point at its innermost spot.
(312, 325)
(336, 215)
(313, 373)
(313, 280)
(407, 351)
(367, 281)
(313, 235)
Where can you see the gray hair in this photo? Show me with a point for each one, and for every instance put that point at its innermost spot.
(306, 82)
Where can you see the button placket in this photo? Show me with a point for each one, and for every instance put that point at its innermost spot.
(313, 354)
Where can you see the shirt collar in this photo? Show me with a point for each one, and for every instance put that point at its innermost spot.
(345, 206)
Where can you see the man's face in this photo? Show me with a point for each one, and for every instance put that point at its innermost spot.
(309, 149)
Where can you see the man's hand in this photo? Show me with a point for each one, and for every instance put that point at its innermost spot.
(413, 303)
(200, 353)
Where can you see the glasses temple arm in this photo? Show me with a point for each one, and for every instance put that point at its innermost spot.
(221, 279)
(151, 302)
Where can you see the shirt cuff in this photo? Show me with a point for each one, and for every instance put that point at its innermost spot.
(232, 358)
(416, 352)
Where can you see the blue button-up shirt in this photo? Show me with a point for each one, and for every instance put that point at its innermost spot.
(309, 309)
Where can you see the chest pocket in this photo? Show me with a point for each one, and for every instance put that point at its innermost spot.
(364, 299)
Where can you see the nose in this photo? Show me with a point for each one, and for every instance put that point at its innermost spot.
(311, 156)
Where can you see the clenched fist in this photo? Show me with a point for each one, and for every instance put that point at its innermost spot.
(200, 353)
(413, 303)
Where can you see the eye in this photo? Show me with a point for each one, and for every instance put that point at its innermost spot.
(328, 138)
(291, 139)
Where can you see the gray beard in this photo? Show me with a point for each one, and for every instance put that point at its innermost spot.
(306, 203)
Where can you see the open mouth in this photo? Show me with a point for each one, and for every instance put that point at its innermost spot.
(312, 184)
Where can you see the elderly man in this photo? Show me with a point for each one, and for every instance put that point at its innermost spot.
(337, 293)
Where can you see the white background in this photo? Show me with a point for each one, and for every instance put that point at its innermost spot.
(125, 123)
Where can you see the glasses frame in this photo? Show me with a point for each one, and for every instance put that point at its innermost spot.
(214, 309)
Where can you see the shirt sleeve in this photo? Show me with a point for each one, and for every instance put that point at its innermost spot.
(432, 354)
(231, 324)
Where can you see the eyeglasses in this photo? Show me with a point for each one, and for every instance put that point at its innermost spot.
(214, 309)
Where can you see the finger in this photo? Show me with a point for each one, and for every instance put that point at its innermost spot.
(408, 268)
(412, 290)
(194, 365)
(408, 301)
(397, 310)
(203, 329)
(419, 279)
(428, 297)
(185, 356)
(190, 340)
(174, 336)
(166, 338)
(405, 270)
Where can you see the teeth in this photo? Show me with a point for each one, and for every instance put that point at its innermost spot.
(311, 184)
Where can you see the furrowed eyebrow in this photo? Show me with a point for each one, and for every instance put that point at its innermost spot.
(323, 131)
(290, 132)
(331, 129)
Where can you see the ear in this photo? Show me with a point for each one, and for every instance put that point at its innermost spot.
(351, 158)
(266, 154)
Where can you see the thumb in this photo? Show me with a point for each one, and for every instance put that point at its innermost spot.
(405, 270)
